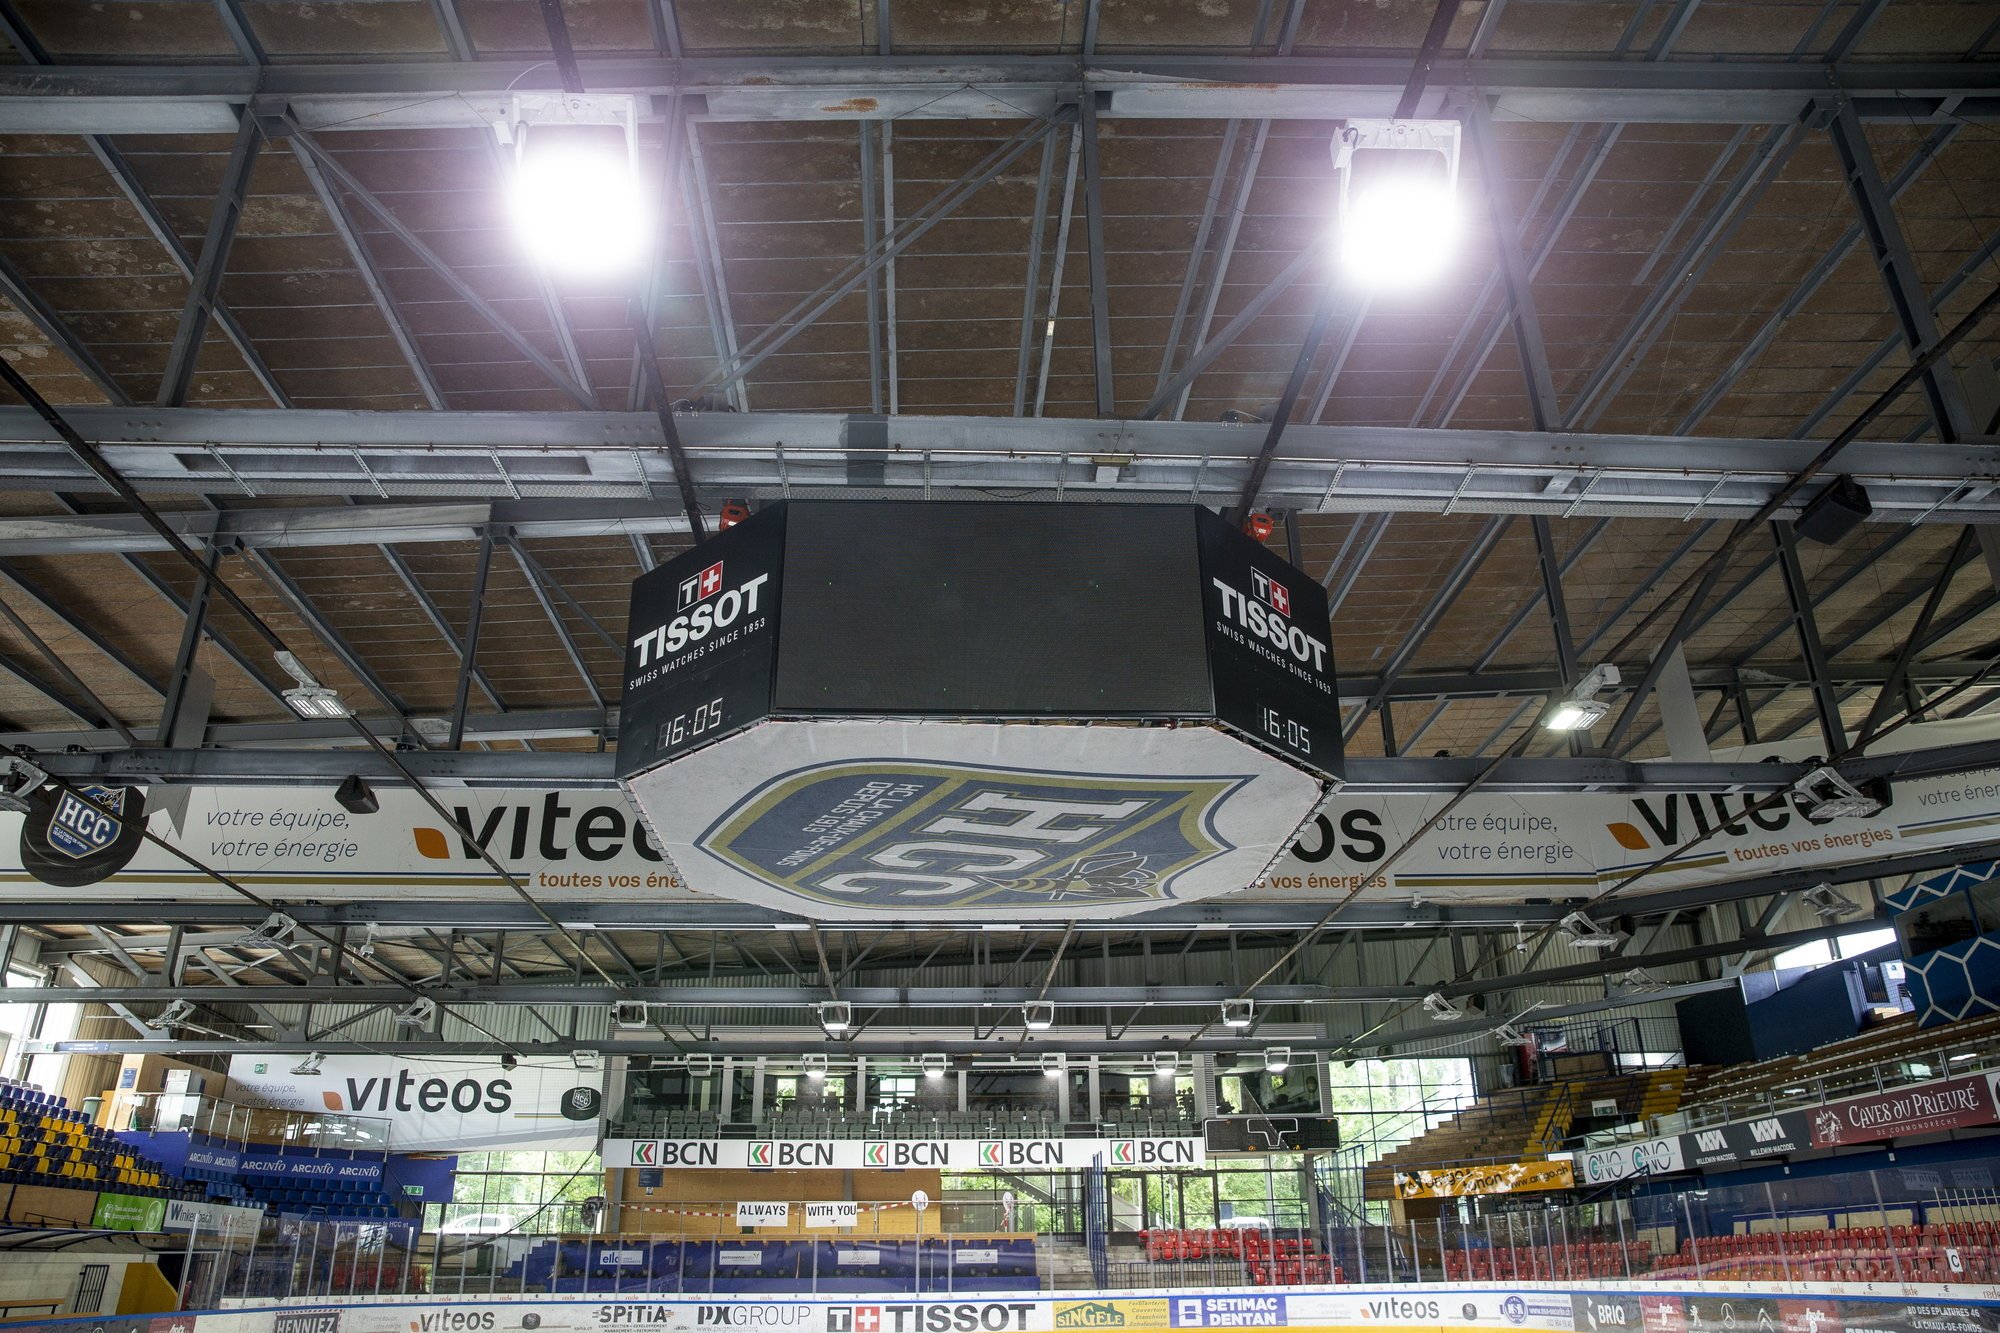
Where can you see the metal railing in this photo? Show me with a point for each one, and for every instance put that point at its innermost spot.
(242, 1126)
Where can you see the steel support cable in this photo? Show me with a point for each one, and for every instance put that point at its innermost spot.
(1379, 875)
(93, 459)
(271, 906)
(1818, 463)
(1761, 804)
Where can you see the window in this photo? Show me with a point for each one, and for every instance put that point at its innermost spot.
(529, 1193)
(1986, 906)
(1935, 924)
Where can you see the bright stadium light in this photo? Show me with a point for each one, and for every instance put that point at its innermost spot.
(1238, 1013)
(934, 1066)
(1053, 1064)
(1583, 709)
(574, 191)
(815, 1067)
(1399, 214)
(1277, 1059)
(1038, 1015)
(836, 1016)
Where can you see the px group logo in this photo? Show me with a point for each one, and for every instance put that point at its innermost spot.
(900, 833)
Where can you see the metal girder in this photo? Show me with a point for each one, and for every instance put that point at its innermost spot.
(1341, 469)
(371, 278)
(1543, 409)
(1951, 411)
(1093, 240)
(25, 299)
(1799, 593)
(728, 919)
(1365, 776)
(154, 99)
(224, 214)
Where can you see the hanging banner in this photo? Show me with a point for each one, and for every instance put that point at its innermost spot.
(297, 842)
(1450, 1182)
(898, 1154)
(763, 1214)
(836, 1214)
(470, 1104)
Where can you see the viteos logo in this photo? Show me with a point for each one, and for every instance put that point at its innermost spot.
(1706, 814)
(452, 1321)
(405, 1091)
(948, 836)
(710, 611)
(1396, 1307)
(602, 833)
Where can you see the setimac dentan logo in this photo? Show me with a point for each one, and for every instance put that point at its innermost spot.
(895, 834)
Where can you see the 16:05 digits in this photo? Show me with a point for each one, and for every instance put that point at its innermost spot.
(687, 726)
(1286, 732)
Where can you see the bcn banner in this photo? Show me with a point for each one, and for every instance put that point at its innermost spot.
(899, 1154)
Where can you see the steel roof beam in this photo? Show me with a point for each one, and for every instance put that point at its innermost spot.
(153, 99)
(1365, 776)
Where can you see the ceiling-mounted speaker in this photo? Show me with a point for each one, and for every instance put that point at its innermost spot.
(1834, 512)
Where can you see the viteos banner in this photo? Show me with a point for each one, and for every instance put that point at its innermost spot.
(589, 845)
(897, 1154)
(466, 1105)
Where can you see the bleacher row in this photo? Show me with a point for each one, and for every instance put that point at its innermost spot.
(1845, 1254)
(747, 1266)
(44, 1142)
(337, 1199)
(1528, 1263)
(1267, 1261)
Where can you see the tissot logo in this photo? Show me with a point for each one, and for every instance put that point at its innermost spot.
(696, 587)
(956, 835)
(1258, 616)
(967, 1317)
(1271, 592)
(711, 611)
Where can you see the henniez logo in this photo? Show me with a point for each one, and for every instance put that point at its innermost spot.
(697, 587)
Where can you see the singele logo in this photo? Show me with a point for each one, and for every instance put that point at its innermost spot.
(957, 835)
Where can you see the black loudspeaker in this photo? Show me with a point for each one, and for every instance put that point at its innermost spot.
(1834, 512)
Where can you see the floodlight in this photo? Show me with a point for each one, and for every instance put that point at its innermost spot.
(701, 1064)
(275, 930)
(1587, 934)
(574, 190)
(366, 949)
(1828, 904)
(836, 1016)
(1166, 1064)
(1277, 1059)
(629, 1015)
(309, 698)
(1582, 709)
(1054, 1063)
(934, 1066)
(18, 782)
(586, 1060)
(1399, 214)
(417, 1013)
(1441, 1009)
(1640, 982)
(170, 1017)
(1038, 1015)
(1238, 1013)
(815, 1067)
(1824, 795)
(1509, 1035)
(310, 1065)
